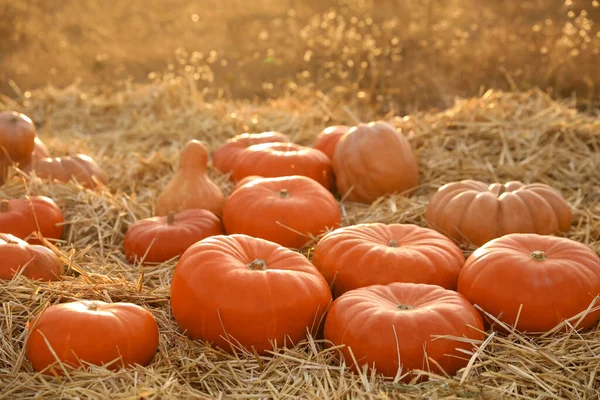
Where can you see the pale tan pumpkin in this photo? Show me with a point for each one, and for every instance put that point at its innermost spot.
(190, 187)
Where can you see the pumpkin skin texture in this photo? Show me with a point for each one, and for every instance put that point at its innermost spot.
(379, 254)
(225, 157)
(553, 278)
(22, 217)
(40, 262)
(255, 290)
(284, 159)
(80, 167)
(471, 211)
(276, 209)
(328, 139)
(162, 238)
(372, 160)
(245, 180)
(378, 322)
(94, 332)
(190, 187)
(40, 151)
(17, 136)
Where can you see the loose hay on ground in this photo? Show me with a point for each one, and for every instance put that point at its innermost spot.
(136, 136)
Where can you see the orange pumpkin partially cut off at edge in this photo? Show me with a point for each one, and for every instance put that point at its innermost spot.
(286, 210)
(93, 332)
(239, 291)
(190, 187)
(226, 156)
(472, 212)
(79, 167)
(379, 254)
(17, 140)
(159, 239)
(284, 159)
(31, 261)
(541, 279)
(394, 327)
(328, 139)
(24, 217)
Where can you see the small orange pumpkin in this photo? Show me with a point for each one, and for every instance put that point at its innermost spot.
(80, 167)
(17, 137)
(225, 157)
(190, 187)
(23, 217)
(328, 139)
(32, 261)
(159, 239)
(93, 332)
(245, 180)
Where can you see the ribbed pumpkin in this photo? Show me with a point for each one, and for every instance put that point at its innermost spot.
(328, 139)
(541, 279)
(473, 212)
(226, 156)
(79, 167)
(249, 291)
(32, 261)
(284, 159)
(395, 326)
(17, 137)
(245, 180)
(372, 160)
(287, 210)
(371, 254)
(190, 187)
(24, 217)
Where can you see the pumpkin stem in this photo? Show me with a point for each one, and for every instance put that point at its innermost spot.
(257, 265)
(171, 218)
(393, 243)
(538, 255)
(404, 307)
(283, 193)
(4, 206)
(92, 306)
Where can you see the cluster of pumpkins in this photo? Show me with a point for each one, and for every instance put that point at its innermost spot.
(392, 296)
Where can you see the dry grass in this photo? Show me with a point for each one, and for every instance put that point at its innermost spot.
(136, 134)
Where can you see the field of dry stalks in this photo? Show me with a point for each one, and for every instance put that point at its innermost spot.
(494, 91)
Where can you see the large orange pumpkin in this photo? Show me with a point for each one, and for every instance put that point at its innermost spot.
(94, 332)
(472, 211)
(32, 261)
(541, 279)
(80, 167)
(372, 160)
(190, 187)
(370, 254)
(225, 157)
(284, 159)
(159, 239)
(287, 210)
(328, 139)
(17, 137)
(394, 326)
(251, 291)
(24, 217)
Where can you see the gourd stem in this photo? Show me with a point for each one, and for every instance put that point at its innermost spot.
(92, 306)
(538, 255)
(171, 218)
(283, 193)
(404, 307)
(4, 206)
(393, 243)
(257, 265)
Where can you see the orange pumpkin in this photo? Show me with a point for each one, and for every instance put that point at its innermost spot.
(23, 217)
(93, 332)
(225, 157)
(541, 279)
(245, 180)
(159, 239)
(394, 326)
(284, 159)
(17, 136)
(251, 291)
(372, 160)
(190, 187)
(32, 261)
(287, 210)
(328, 139)
(371, 254)
(472, 211)
(79, 167)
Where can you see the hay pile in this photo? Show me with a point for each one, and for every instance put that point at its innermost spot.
(136, 135)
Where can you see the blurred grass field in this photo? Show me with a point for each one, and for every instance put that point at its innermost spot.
(397, 55)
